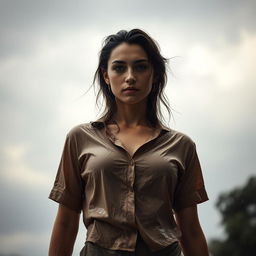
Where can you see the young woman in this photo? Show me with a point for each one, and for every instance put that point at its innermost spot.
(136, 181)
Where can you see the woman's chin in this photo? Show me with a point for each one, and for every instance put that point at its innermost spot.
(131, 100)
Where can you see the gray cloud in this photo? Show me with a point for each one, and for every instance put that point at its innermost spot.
(24, 23)
(18, 215)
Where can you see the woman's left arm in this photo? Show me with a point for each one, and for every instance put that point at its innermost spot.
(192, 241)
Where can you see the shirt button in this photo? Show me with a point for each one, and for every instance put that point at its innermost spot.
(132, 162)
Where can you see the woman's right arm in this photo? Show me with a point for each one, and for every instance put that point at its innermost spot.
(64, 232)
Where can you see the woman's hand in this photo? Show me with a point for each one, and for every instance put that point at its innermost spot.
(64, 232)
(192, 241)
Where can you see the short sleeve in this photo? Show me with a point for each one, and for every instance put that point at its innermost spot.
(68, 184)
(190, 189)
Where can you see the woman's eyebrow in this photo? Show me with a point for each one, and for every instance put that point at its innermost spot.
(118, 62)
(141, 60)
(123, 62)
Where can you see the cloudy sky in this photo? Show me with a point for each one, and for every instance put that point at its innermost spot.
(48, 55)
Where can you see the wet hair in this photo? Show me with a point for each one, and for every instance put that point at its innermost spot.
(156, 96)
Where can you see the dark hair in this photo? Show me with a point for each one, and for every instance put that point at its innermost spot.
(156, 96)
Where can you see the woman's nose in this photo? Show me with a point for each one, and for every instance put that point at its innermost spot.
(130, 78)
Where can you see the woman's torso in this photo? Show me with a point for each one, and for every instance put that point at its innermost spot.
(132, 138)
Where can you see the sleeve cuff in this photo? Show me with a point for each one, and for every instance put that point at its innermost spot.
(65, 199)
(196, 197)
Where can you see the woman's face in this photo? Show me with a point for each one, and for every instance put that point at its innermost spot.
(129, 67)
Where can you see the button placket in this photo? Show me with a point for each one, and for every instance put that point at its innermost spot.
(130, 192)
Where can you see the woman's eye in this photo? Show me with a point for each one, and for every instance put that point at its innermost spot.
(119, 68)
(141, 67)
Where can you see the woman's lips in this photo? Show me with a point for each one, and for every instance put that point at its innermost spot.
(130, 90)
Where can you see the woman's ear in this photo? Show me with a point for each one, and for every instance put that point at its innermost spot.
(155, 76)
(105, 76)
(155, 79)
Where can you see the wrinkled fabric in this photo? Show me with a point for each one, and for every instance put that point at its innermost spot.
(141, 249)
(121, 195)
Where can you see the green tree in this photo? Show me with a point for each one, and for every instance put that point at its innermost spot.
(238, 210)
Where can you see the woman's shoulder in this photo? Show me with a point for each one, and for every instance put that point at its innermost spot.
(181, 137)
(79, 129)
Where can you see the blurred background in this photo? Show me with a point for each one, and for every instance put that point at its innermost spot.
(49, 53)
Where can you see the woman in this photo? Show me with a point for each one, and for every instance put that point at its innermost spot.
(136, 181)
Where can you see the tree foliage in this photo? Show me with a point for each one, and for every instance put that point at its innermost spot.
(238, 210)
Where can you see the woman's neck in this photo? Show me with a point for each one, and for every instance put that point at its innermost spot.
(131, 115)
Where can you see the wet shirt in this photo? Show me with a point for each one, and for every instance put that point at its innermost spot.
(121, 195)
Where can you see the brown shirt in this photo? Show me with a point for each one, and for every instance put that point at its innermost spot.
(121, 195)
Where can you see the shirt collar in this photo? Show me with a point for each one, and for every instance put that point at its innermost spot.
(100, 124)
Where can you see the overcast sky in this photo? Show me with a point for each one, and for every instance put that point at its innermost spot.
(48, 55)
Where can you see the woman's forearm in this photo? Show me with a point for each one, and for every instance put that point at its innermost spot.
(62, 239)
(192, 241)
(63, 235)
(195, 245)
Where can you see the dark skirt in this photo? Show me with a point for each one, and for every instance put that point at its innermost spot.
(92, 249)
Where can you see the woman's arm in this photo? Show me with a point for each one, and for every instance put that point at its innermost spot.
(64, 232)
(192, 241)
